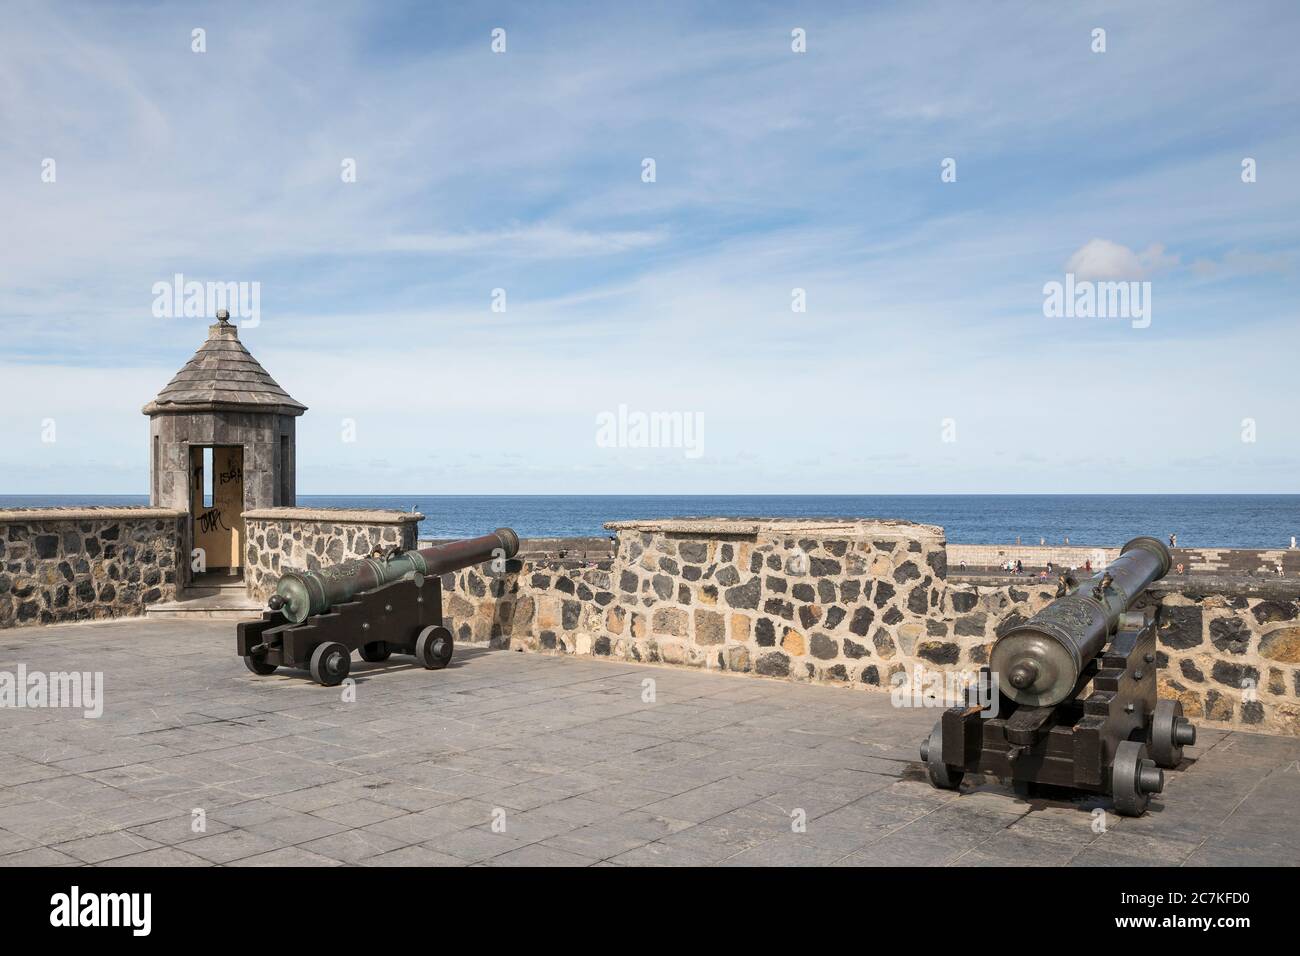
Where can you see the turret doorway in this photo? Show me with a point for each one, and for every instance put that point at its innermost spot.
(217, 512)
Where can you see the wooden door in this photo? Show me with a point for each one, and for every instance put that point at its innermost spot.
(217, 504)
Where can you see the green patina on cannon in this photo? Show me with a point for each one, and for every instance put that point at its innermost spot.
(375, 605)
(1069, 696)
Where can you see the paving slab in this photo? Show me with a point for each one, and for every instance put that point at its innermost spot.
(414, 856)
(508, 759)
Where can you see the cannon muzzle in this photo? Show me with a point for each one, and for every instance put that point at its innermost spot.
(1039, 663)
(300, 594)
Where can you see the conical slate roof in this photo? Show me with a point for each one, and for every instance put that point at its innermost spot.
(223, 376)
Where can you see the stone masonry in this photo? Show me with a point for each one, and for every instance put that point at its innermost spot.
(1233, 656)
(842, 601)
(280, 539)
(79, 564)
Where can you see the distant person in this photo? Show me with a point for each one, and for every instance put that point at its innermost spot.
(1280, 572)
(1042, 542)
(1179, 569)
(1067, 540)
(1292, 542)
(1087, 565)
(962, 565)
(1042, 575)
(1020, 568)
(1173, 541)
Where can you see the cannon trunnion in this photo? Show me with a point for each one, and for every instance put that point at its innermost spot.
(376, 606)
(1113, 741)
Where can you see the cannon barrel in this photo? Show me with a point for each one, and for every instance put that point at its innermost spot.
(1039, 663)
(300, 594)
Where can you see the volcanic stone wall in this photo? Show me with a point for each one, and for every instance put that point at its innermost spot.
(280, 539)
(1231, 653)
(842, 601)
(83, 564)
(853, 602)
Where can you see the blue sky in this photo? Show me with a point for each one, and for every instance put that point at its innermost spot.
(775, 170)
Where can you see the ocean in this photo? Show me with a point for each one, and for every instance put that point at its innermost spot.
(1228, 521)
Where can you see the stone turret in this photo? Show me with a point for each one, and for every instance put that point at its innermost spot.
(223, 400)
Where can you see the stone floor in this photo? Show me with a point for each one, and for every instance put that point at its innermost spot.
(513, 759)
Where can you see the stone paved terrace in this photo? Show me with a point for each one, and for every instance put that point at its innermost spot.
(585, 771)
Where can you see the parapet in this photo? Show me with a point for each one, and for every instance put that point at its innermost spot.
(883, 528)
(334, 515)
(87, 513)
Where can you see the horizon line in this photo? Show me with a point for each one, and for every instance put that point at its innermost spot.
(706, 494)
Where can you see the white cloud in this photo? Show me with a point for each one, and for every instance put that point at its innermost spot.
(1103, 259)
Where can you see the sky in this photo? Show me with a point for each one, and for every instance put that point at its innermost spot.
(921, 171)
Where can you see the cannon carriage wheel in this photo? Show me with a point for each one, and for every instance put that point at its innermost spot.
(942, 775)
(1170, 732)
(330, 663)
(434, 647)
(1134, 777)
(376, 651)
(259, 665)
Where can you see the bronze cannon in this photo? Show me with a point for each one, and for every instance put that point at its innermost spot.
(375, 605)
(1069, 697)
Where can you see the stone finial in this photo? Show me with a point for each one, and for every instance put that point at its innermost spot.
(223, 316)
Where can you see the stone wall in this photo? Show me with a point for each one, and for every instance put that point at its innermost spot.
(280, 539)
(805, 599)
(1231, 653)
(853, 602)
(66, 564)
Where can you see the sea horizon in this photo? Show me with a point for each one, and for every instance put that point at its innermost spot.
(1228, 520)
